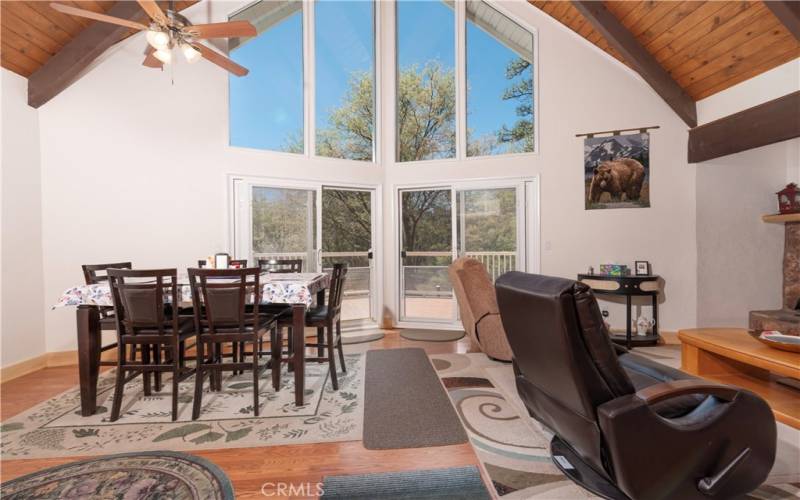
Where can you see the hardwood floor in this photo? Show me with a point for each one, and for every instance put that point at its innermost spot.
(250, 468)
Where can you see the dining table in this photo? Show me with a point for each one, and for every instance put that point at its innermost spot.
(93, 303)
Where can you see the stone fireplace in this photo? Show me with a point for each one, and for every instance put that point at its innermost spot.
(787, 319)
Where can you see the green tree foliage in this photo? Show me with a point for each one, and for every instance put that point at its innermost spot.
(520, 136)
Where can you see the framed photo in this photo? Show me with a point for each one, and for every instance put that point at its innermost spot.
(642, 268)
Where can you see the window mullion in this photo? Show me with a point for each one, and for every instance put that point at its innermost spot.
(461, 79)
(308, 78)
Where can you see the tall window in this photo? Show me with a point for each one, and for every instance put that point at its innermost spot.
(266, 106)
(426, 84)
(499, 83)
(344, 53)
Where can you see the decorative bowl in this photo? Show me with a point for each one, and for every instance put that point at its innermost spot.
(776, 340)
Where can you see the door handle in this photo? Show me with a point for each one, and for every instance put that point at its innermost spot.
(403, 254)
(369, 255)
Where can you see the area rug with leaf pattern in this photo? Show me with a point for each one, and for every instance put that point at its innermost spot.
(514, 448)
(55, 427)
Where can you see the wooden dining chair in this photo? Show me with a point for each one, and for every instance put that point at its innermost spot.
(146, 322)
(281, 266)
(221, 316)
(94, 274)
(324, 317)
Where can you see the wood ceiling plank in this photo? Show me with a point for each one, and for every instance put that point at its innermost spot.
(560, 10)
(768, 123)
(62, 69)
(23, 46)
(620, 9)
(78, 19)
(752, 71)
(13, 67)
(12, 22)
(578, 21)
(724, 33)
(765, 48)
(789, 15)
(549, 7)
(17, 57)
(705, 12)
(683, 10)
(64, 21)
(89, 5)
(651, 16)
(32, 18)
(639, 59)
(728, 52)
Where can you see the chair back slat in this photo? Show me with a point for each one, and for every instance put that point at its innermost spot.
(90, 271)
(139, 298)
(281, 266)
(338, 276)
(220, 298)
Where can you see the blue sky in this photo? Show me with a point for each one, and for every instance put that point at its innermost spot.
(267, 105)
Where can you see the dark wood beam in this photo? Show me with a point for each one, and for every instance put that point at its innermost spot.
(61, 70)
(638, 58)
(787, 13)
(768, 123)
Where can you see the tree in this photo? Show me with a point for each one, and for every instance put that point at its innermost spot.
(520, 136)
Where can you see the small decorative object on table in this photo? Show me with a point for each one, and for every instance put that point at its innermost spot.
(642, 268)
(221, 261)
(777, 340)
(643, 324)
(614, 270)
(789, 199)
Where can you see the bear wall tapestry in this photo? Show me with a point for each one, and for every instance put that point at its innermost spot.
(617, 171)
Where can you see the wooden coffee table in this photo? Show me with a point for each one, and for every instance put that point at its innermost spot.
(732, 356)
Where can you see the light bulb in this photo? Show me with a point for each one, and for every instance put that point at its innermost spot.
(163, 55)
(158, 39)
(190, 53)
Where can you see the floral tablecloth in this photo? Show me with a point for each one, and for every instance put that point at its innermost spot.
(278, 288)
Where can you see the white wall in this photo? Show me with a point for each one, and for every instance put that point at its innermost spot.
(21, 269)
(134, 167)
(739, 257)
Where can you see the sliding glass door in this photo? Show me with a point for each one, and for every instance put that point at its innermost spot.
(485, 221)
(319, 224)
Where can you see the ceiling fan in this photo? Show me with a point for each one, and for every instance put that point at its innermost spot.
(170, 30)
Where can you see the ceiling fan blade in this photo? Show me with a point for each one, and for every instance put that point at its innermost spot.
(74, 11)
(221, 30)
(220, 60)
(150, 60)
(154, 11)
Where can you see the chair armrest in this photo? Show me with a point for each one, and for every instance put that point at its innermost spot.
(668, 390)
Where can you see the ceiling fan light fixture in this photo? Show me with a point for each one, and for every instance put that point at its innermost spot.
(163, 55)
(191, 54)
(159, 40)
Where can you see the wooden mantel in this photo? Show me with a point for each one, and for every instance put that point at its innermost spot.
(781, 218)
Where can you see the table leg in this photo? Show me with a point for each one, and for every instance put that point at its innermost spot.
(628, 321)
(655, 315)
(88, 322)
(299, 348)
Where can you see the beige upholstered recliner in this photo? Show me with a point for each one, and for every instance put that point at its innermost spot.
(478, 306)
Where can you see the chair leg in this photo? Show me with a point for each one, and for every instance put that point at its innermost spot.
(276, 346)
(255, 377)
(290, 365)
(339, 344)
(235, 355)
(332, 358)
(176, 374)
(198, 380)
(145, 352)
(157, 360)
(320, 341)
(119, 384)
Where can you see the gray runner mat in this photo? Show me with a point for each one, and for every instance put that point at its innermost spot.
(405, 405)
(453, 483)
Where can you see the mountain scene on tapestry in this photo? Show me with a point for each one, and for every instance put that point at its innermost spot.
(617, 171)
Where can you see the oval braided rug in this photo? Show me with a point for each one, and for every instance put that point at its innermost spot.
(143, 475)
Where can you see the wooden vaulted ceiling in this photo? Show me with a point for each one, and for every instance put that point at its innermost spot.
(705, 47)
(31, 32)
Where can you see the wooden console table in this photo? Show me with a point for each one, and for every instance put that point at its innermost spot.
(732, 356)
(628, 286)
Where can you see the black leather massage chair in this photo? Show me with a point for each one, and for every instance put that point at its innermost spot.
(626, 427)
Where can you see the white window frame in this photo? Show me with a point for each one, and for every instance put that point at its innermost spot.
(528, 239)
(460, 19)
(309, 89)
